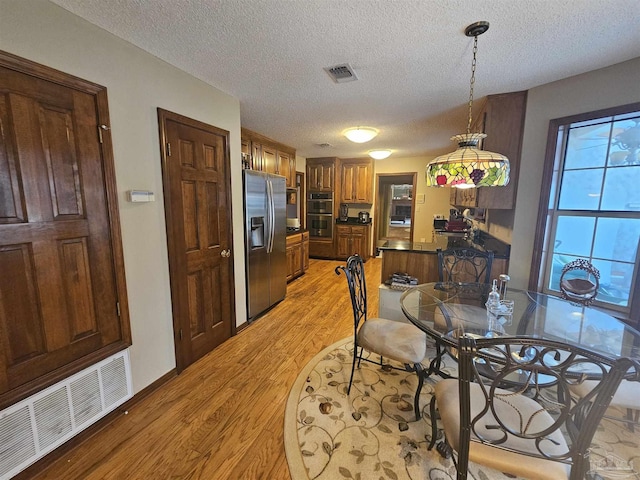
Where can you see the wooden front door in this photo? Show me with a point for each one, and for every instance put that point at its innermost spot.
(62, 288)
(197, 185)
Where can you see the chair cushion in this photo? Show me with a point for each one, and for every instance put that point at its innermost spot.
(447, 397)
(627, 395)
(465, 316)
(399, 341)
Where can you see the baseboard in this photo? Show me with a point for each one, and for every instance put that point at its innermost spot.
(90, 431)
(241, 327)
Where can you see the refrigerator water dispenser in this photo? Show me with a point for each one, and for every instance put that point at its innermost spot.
(257, 232)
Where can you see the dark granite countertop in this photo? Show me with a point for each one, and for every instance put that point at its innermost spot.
(296, 232)
(351, 221)
(483, 243)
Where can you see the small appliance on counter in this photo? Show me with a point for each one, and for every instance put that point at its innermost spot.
(363, 217)
(344, 212)
(293, 224)
(439, 223)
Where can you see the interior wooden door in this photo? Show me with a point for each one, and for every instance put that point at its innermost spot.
(195, 160)
(61, 273)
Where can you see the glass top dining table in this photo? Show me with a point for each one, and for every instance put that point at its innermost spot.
(443, 310)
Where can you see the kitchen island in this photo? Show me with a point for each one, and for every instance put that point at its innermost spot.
(420, 259)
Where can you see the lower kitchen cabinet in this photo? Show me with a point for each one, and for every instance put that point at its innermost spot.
(305, 251)
(297, 254)
(352, 239)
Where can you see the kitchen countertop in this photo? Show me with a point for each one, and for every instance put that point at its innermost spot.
(483, 243)
(296, 232)
(351, 221)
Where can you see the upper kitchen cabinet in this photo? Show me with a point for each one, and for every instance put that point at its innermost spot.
(501, 117)
(269, 156)
(287, 167)
(321, 174)
(356, 180)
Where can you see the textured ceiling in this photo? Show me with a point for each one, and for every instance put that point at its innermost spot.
(411, 56)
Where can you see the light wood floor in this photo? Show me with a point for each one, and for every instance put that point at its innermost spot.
(222, 418)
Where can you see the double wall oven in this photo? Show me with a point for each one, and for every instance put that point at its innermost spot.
(320, 215)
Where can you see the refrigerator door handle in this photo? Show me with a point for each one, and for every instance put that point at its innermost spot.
(271, 215)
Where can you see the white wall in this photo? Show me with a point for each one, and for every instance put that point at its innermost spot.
(137, 83)
(608, 87)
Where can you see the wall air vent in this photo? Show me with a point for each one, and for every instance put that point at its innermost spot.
(35, 426)
(341, 73)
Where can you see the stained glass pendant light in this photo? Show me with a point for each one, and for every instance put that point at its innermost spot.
(468, 166)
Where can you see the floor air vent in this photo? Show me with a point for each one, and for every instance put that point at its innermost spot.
(32, 428)
(341, 73)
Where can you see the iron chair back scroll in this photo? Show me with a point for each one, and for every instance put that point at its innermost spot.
(399, 341)
(511, 407)
(464, 265)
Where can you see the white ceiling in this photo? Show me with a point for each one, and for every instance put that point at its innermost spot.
(411, 56)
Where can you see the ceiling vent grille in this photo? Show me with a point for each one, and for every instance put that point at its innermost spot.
(341, 73)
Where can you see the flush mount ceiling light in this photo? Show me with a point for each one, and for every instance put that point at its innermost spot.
(379, 154)
(468, 166)
(360, 134)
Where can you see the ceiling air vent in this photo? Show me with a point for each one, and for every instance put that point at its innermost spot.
(341, 73)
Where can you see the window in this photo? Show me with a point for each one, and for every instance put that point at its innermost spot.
(594, 204)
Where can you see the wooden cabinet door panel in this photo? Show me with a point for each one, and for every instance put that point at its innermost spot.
(58, 293)
(297, 260)
(326, 178)
(343, 241)
(363, 184)
(348, 179)
(256, 156)
(287, 168)
(313, 177)
(305, 251)
(358, 241)
(269, 160)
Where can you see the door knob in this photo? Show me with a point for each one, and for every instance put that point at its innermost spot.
(225, 253)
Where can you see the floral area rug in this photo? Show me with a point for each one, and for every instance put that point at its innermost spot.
(372, 433)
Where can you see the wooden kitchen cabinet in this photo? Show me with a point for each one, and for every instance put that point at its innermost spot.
(356, 180)
(501, 117)
(269, 159)
(286, 164)
(320, 174)
(351, 239)
(305, 251)
(269, 156)
(297, 249)
(294, 256)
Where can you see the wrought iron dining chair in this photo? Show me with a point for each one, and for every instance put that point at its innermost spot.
(399, 341)
(627, 397)
(511, 408)
(579, 282)
(464, 265)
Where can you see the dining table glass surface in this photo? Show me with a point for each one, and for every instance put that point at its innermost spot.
(445, 310)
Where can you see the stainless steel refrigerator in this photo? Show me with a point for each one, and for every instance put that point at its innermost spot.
(265, 226)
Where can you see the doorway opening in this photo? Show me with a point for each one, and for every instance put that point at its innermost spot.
(395, 207)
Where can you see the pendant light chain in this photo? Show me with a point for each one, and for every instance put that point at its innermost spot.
(473, 81)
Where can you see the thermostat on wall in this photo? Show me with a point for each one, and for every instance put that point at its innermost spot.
(140, 196)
